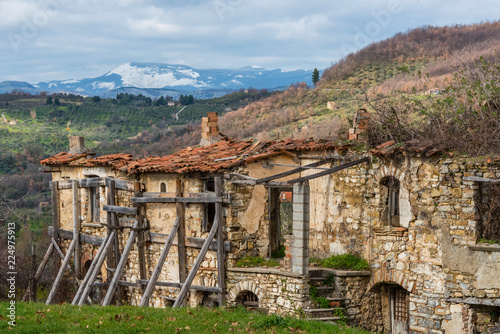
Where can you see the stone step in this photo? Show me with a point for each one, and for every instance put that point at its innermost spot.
(335, 299)
(326, 319)
(317, 310)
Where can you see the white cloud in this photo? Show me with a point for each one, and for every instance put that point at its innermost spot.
(86, 38)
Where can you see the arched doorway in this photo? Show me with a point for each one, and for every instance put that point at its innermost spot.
(247, 299)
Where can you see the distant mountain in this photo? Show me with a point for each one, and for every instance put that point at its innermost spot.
(9, 86)
(154, 79)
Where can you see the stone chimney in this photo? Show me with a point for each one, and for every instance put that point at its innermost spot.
(77, 145)
(210, 130)
(360, 125)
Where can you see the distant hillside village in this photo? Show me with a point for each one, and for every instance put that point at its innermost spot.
(208, 225)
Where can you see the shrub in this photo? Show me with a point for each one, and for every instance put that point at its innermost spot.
(345, 261)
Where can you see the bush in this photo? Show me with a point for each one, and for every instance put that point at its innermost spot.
(346, 262)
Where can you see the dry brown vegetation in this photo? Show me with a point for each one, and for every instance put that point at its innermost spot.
(424, 44)
(281, 115)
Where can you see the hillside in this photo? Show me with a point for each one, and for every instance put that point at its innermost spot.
(410, 63)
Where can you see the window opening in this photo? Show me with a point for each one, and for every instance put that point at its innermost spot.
(489, 210)
(390, 200)
(163, 187)
(209, 214)
(280, 219)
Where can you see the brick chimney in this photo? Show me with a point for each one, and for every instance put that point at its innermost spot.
(77, 145)
(360, 125)
(210, 130)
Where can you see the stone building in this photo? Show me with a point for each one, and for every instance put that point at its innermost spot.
(416, 214)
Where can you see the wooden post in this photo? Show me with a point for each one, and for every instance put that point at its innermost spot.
(91, 269)
(179, 301)
(181, 236)
(61, 255)
(120, 266)
(55, 210)
(41, 267)
(156, 273)
(114, 253)
(76, 226)
(95, 272)
(221, 279)
(140, 236)
(32, 282)
(60, 274)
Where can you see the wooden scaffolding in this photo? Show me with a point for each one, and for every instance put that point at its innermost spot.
(109, 246)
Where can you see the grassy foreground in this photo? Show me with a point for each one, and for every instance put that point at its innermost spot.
(40, 318)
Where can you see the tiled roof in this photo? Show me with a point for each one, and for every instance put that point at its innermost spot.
(213, 158)
(64, 158)
(413, 147)
(223, 155)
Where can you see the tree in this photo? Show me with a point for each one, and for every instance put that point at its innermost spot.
(57, 102)
(49, 100)
(96, 99)
(315, 76)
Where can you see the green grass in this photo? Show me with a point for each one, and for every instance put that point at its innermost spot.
(345, 262)
(40, 318)
(256, 261)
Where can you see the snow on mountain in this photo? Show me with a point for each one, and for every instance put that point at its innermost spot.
(155, 79)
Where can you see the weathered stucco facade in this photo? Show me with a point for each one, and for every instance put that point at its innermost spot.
(414, 215)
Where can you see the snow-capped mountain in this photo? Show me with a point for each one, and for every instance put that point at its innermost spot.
(154, 79)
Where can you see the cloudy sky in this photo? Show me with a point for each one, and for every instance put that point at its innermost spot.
(72, 39)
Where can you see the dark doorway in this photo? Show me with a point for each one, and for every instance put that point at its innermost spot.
(280, 219)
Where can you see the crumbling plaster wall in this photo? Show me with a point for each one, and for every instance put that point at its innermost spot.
(247, 217)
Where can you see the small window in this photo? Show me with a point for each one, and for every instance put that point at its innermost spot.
(209, 214)
(163, 187)
(94, 204)
(489, 209)
(390, 200)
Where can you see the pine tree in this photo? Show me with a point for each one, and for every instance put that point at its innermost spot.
(315, 76)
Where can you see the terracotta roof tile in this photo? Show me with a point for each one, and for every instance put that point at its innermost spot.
(211, 159)
(412, 147)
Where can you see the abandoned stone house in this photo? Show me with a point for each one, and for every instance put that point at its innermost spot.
(165, 231)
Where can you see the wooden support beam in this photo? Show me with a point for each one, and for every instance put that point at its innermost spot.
(295, 166)
(330, 171)
(93, 182)
(65, 184)
(156, 272)
(40, 269)
(55, 210)
(181, 233)
(293, 171)
(61, 255)
(480, 179)
(180, 285)
(127, 185)
(92, 268)
(76, 227)
(196, 266)
(191, 242)
(141, 240)
(84, 238)
(60, 274)
(221, 255)
(177, 199)
(97, 268)
(120, 209)
(335, 157)
(119, 268)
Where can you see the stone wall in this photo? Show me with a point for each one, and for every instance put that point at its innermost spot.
(278, 292)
